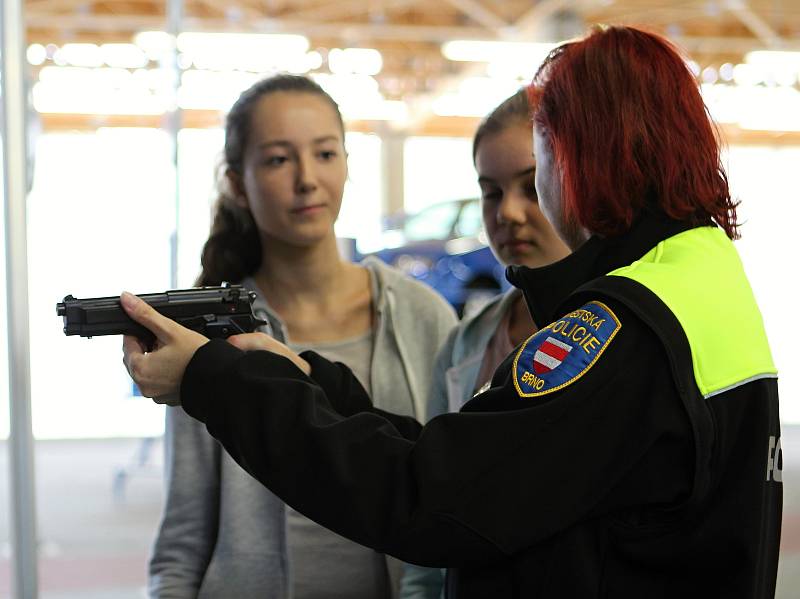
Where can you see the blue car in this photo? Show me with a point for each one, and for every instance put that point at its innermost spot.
(445, 246)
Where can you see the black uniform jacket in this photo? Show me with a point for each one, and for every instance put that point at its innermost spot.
(625, 483)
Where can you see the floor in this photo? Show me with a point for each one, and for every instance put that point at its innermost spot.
(99, 503)
(98, 507)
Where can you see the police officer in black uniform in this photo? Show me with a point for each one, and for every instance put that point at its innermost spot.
(630, 448)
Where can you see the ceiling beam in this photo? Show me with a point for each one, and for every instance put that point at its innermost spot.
(478, 13)
(345, 9)
(134, 23)
(57, 5)
(726, 45)
(521, 29)
(526, 25)
(758, 26)
(331, 10)
(672, 12)
(533, 18)
(380, 31)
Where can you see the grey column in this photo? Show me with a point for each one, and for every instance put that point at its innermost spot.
(14, 110)
(172, 123)
(393, 171)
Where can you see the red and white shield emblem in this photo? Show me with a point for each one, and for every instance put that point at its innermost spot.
(550, 355)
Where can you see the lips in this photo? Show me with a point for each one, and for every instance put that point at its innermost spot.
(309, 209)
(516, 243)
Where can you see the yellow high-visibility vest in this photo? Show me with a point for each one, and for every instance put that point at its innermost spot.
(699, 276)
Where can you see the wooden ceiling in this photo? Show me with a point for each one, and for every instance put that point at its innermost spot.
(409, 33)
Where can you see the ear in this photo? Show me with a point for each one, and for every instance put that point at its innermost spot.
(237, 189)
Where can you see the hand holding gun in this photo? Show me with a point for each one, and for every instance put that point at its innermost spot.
(214, 312)
(163, 330)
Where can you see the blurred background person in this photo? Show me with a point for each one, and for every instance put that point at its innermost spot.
(285, 166)
(518, 233)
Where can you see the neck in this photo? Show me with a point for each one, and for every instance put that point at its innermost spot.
(520, 323)
(289, 273)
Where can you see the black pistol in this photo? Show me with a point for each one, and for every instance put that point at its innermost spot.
(216, 312)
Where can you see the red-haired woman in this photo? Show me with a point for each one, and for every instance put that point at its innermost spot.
(631, 448)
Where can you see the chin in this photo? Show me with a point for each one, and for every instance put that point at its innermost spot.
(293, 237)
(531, 260)
(311, 228)
(523, 259)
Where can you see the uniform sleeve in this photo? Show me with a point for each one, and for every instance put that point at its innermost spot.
(347, 395)
(469, 488)
(419, 582)
(188, 528)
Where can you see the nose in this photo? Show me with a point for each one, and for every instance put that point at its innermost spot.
(511, 209)
(306, 180)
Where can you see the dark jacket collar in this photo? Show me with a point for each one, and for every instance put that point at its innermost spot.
(545, 288)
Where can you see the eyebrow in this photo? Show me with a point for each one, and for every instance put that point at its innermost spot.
(522, 173)
(283, 142)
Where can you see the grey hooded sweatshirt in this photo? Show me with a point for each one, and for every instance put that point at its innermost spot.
(222, 533)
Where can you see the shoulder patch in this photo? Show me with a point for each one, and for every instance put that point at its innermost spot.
(565, 350)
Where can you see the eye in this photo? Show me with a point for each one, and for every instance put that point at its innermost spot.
(530, 190)
(327, 155)
(274, 161)
(492, 195)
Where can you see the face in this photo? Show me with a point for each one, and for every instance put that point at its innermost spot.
(512, 216)
(294, 168)
(548, 187)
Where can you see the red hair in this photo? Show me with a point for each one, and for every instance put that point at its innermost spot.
(627, 126)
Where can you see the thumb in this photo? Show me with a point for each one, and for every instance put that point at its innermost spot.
(143, 313)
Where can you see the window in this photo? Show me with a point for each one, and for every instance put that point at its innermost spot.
(470, 221)
(438, 169)
(765, 180)
(435, 222)
(361, 213)
(100, 219)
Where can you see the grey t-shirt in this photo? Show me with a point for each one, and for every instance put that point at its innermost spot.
(324, 564)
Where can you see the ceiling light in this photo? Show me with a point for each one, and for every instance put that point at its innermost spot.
(774, 58)
(79, 55)
(754, 107)
(726, 72)
(156, 44)
(212, 90)
(747, 75)
(782, 67)
(313, 60)
(709, 75)
(491, 51)
(360, 61)
(476, 97)
(376, 109)
(36, 54)
(124, 56)
(255, 52)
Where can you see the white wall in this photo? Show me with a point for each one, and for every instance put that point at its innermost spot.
(99, 221)
(767, 181)
(438, 169)
(5, 417)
